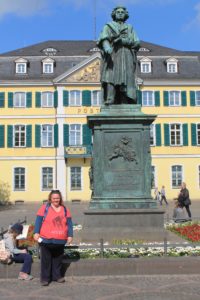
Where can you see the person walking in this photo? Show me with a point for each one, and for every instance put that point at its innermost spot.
(53, 229)
(18, 255)
(157, 194)
(163, 195)
(184, 199)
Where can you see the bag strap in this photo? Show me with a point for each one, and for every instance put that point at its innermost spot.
(47, 209)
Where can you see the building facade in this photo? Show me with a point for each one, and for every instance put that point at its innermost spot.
(46, 93)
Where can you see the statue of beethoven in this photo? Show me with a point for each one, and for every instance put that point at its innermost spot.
(119, 44)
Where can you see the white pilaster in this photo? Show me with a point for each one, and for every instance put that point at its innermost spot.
(60, 159)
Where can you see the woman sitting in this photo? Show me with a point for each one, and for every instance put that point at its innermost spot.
(18, 255)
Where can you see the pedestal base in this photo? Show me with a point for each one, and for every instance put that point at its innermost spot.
(114, 224)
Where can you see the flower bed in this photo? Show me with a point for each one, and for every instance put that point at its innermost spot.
(125, 249)
(189, 231)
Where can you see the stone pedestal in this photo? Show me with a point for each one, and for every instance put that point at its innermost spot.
(115, 224)
(121, 173)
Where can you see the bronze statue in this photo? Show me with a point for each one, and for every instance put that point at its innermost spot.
(119, 44)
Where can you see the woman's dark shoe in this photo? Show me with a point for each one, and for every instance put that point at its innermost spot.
(44, 283)
(61, 280)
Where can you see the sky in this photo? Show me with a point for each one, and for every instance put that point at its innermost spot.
(171, 23)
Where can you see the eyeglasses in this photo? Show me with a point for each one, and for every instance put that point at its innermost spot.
(55, 191)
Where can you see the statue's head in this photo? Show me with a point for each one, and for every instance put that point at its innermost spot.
(118, 9)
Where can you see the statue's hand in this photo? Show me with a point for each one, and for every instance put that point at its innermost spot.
(118, 40)
(108, 50)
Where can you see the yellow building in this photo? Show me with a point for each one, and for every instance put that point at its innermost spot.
(46, 93)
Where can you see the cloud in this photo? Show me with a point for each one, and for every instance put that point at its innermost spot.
(22, 7)
(195, 22)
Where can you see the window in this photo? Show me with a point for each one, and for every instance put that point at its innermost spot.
(75, 98)
(172, 68)
(174, 98)
(19, 99)
(47, 68)
(19, 136)
(96, 98)
(47, 136)
(198, 134)
(47, 178)
(152, 135)
(177, 176)
(172, 65)
(148, 98)
(75, 178)
(75, 134)
(197, 98)
(153, 177)
(19, 179)
(175, 134)
(146, 67)
(47, 99)
(21, 68)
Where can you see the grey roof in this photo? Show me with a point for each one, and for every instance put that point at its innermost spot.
(65, 48)
(70, 53)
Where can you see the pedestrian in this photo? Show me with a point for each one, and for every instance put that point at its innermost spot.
(184, 199)
(178, 213)
(163, 195)
(157, 194)
(53, 229)
(18, 255)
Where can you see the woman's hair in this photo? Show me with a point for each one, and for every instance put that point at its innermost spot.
(113, 14)
(56, 192)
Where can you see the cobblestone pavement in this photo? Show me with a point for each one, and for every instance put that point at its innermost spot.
(162, 287)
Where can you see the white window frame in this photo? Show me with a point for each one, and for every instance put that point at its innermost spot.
(46, 144)
(81, 179)
(97, 101)
(48, 67)
(145, 67)
(14, 177)
(197, 98)
(176, 132)
(182, 177)
(172, 67)
(149, 102)
(21, 68)
(198, 134)
(42, 176)
(153, 135)
(173, 99)
(21, 133)
(49, 101)
(77, 98)
(76, 135)
(21, 101)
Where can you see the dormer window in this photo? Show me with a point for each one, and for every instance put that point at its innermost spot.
(21, 66)
(48, 66)
(145, 65)
(172, 65)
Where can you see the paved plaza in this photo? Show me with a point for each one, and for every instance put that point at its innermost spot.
(145, 287)
(172, 281)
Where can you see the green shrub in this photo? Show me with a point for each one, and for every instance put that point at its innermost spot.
(4, 193)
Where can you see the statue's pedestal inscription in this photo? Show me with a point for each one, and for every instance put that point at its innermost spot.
(121, 158)
(121, 174)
